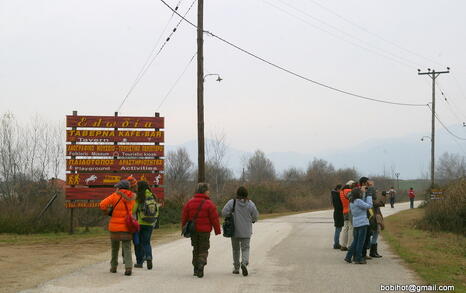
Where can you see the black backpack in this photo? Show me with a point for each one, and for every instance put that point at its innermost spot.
(229, 223)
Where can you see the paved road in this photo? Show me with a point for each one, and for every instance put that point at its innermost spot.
(288, 254)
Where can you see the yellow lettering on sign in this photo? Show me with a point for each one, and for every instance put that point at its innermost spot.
(82, 122)
(148, 125)
(98, 123)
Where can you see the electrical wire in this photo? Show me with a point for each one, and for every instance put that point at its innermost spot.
(177, 80)
(445, 127)
(450, 106)
(374, 34)
(293, 73)
(359, 42)
(140, 76)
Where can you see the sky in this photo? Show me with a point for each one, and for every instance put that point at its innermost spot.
(59, 56)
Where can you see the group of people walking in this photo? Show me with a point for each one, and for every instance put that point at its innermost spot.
(131, 199)
(204, 212)
(134, 201)
(358, 219)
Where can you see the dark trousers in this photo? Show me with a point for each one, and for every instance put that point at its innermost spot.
(200, 241)
(367, 241)
(411, 203)
(142, 245)
(359, 234)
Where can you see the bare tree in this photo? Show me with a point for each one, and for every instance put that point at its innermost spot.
(293, 175)
(450, 167)
(217, 173)
(260, 168)
(178, 174)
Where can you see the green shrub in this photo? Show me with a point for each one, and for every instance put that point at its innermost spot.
(449, 213)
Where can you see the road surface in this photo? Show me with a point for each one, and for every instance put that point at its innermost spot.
(288, 254)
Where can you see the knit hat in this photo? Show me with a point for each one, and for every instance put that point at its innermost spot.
(123, 184)
(350, 182)
(132, 181)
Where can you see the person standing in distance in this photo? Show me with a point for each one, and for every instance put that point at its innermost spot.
(207, 218)
(411, 195)
(391, 196)
(244, 215)
(337, 216)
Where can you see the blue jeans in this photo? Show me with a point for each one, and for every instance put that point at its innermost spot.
(359, 237)
(336, 237)
(142, 247)
(375, 236)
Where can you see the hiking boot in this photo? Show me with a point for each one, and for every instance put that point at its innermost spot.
(138, 265)
(149, 264)
(244, 270)
(236, 271)
(128, 272)
(336, 246)
(373, 252)
(113, 270)
(344, 248)
(200, 271)
(367, 257)
(195, 271)
(348, 260)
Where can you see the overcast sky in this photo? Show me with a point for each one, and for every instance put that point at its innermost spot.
(59, 56)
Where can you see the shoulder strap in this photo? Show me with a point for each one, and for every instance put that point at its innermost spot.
(234, 204)
(121, 196)
(198, 209)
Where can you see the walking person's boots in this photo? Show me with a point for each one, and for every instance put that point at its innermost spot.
(372, 252)
(200, 270)
(375, 251)
(149, 264)
(128, 272)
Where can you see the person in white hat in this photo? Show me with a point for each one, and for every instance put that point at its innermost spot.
(347, 232)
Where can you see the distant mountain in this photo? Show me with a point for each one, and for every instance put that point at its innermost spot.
(407, 155)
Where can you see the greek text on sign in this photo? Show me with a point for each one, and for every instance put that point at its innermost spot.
(114, 122)
(84, 193)
(114, 136)
(102, 165)
(111, 178)
(114, 150)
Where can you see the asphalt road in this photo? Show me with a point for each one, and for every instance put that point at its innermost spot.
(288, 254)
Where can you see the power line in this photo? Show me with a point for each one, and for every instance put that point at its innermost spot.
(291, 72)
(177, 80)
(447, 100)
(446, 128)
(366, 46)
(141, 74)
(374, 34)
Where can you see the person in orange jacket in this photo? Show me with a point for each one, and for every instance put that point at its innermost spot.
(347, 232)
(121, 203)
(207, 218)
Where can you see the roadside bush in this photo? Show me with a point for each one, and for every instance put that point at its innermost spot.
(449, 213)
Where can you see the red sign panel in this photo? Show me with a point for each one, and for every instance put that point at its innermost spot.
(104, 165)
(114, 122)
(112, 178)
(84, 193)
(114, 136)
(99, 150)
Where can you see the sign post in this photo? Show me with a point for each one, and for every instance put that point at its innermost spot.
(102, 150)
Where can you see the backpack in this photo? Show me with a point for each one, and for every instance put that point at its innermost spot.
(148, 211)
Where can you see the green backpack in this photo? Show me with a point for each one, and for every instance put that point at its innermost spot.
(149, 210)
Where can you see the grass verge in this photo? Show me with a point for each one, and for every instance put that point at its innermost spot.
(438, 257)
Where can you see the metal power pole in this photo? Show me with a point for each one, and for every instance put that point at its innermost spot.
(397, 180)
(433, 74)
(200, 92)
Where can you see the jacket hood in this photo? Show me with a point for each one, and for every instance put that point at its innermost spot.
(126, 194)
(242, 202)
(201, 195)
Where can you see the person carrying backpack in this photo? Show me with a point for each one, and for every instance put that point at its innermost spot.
(118, 205)
(146, 210)
(244, 214)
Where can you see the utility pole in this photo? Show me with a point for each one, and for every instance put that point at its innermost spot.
(200, 92)
(432, 74)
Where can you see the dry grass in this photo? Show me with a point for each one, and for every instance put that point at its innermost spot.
(438, 257)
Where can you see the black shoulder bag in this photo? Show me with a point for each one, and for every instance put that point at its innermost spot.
(110, 212)
(190, 227)
(229, 223)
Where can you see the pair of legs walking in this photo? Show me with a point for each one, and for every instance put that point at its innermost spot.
(142, 246)
(128, 261)
(200, 241)
(336, 238)
(240, 246)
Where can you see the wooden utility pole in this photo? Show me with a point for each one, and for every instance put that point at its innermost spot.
(433, 74)
(200, 92)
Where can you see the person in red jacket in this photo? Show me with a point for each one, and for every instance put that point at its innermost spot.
(207, 217)
(411, 195)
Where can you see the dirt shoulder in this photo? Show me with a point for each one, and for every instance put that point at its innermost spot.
(27, 261)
